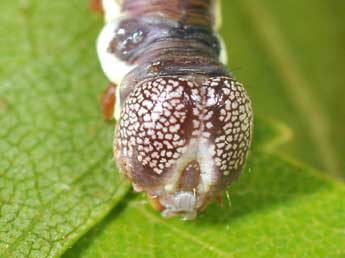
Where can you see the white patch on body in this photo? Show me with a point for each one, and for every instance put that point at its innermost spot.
(207, 165)
(112, 9)
(223, 56)
(217, 12)
(199, 150)
(114, 68)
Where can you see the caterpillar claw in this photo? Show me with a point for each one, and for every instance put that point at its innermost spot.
(108, 102)
(155, 203)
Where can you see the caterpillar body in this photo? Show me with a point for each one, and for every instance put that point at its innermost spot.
(184, 125)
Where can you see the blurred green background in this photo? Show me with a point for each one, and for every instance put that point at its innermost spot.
(290, 56)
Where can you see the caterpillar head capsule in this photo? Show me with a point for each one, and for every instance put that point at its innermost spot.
(184, 139)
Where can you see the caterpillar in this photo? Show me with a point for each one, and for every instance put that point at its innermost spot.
(184, 124)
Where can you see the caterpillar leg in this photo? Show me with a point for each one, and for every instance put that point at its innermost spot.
(155, 204)
(96, 6)
(219, 199)
(108, 101)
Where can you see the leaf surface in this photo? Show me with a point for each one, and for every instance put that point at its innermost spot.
(57, 176)
(276, 209)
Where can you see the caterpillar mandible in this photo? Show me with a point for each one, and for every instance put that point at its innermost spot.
(184, 125)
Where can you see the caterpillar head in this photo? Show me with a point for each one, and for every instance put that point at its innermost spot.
(183, 140)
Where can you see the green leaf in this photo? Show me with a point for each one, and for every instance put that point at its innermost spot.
(290, 56)
(57, 176)
(278, 209)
